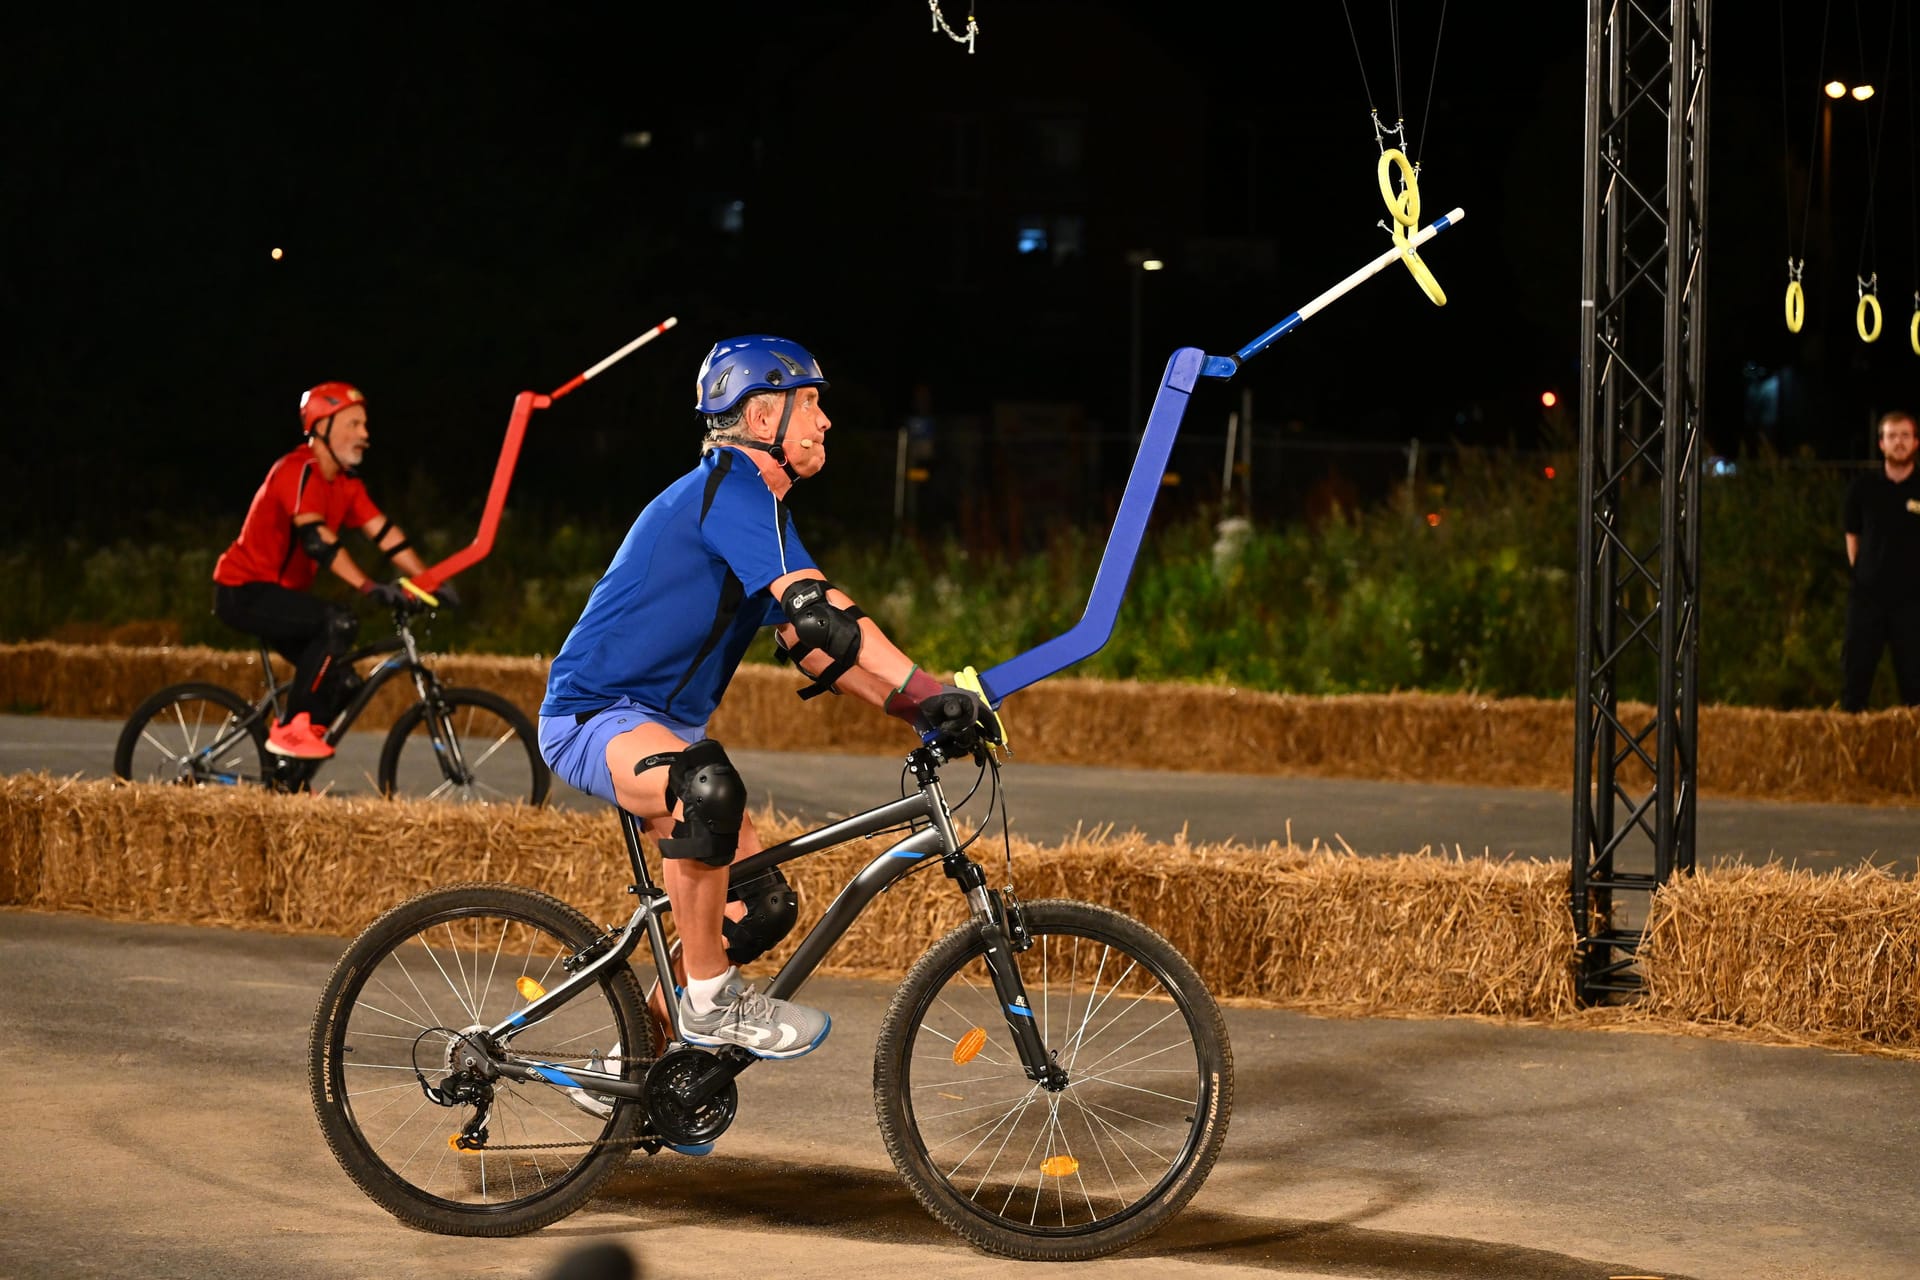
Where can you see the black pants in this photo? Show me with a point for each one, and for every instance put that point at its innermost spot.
(1873, 625)
(308, 632)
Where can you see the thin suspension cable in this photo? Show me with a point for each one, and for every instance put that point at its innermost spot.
(1867, 238)
(1360, 57)
(1393, 25)
(1913, 192)
(1426, 112)
(1806, 212)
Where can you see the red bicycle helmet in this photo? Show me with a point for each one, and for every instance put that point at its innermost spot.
(325, 400)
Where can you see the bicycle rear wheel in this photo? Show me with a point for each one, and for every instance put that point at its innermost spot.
(194, 735)
(444, 965)
(471, 747)
(1078, 1173)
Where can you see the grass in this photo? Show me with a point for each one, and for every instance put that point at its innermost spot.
(1467, 584)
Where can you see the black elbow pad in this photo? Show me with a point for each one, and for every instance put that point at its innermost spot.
(822, 626)
(315, 543)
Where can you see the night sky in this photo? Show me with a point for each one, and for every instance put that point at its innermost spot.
(461, 220)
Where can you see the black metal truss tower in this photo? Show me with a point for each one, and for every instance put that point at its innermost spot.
(1642, 346)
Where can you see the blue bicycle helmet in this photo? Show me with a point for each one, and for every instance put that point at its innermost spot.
(739, 366)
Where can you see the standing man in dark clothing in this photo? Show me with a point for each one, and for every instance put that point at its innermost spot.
(1883, 546)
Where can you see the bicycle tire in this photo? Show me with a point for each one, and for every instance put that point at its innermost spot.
(929, 994)
(141, 728)
(366, 1147)
(519, 742)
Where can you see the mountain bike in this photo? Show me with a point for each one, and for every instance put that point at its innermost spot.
(1052, 1078)
(453, 744)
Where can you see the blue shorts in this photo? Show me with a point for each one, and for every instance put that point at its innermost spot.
(577, 752)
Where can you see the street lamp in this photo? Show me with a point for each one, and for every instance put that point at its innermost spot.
(1139, 262)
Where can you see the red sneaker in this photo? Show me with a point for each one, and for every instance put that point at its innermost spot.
(300, 739)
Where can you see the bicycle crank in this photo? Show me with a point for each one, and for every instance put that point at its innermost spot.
(674, 1088)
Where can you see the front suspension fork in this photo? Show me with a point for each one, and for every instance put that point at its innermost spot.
(1001, 931)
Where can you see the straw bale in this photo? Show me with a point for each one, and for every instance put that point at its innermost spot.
(1834, 958)
(136, 853)
(1824, 756)
(1757, 952)
(1305, 928)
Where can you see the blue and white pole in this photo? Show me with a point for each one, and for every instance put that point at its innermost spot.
(1184, 371)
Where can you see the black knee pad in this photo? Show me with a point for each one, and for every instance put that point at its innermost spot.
(713, 800)
(772, 909)
(342, 627)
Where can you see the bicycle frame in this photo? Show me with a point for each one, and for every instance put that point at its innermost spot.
(935, 840)
(406, 660)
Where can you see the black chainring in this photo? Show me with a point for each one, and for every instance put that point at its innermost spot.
(671, 1115)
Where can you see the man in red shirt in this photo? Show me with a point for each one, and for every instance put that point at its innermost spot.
(292, 529)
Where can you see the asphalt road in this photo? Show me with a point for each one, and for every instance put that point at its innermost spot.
(1048, 801)
(153, 1097)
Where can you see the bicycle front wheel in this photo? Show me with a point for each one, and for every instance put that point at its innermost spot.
(194, 735)
(1041, 1175)
(441, 967)
(470, 746)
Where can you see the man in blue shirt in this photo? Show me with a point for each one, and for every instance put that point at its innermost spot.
(708, 563)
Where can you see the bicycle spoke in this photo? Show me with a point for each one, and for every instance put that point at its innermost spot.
(498, 742)
(402, 962)
(1021, 1180)
(1081, 1162)
(1171, 1013)
(536, 1144)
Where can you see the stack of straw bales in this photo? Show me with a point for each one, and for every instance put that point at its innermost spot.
(1819, 959)
(1522, 742)
(1832, 958)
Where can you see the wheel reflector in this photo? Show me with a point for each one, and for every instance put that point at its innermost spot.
(970, 1046)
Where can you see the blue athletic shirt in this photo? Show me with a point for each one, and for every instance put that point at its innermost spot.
(669, 621)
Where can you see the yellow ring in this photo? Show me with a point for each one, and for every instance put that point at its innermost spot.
(1404, 207)
(1797, 306)
(1913, 333)
(1422, 275)
(1867, 303)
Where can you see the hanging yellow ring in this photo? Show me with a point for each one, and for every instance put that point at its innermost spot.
(1796, 306)
(1867, 303)
(1913, 333)
(1422, 276)
(1404, 207)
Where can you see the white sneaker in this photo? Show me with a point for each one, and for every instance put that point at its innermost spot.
(760, 1024)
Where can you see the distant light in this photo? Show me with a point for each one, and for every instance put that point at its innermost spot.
(639, 140)
(1153, 264)
(1433, 519)
(1861, 92)
(277, 255)
(1835, 89)
(1548, 399)
(1548, 472)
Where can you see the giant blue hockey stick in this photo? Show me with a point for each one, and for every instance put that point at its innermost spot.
(1184, 371)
